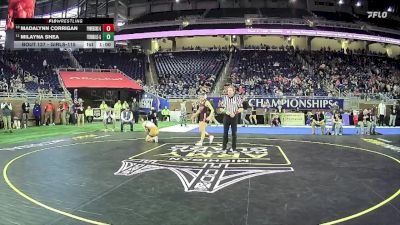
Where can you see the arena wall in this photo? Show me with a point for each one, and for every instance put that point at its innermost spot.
(299, 42)
(276, 41)
(356, 45)
(393, 50)
(377, 47)
(318, 43)
(203, 42)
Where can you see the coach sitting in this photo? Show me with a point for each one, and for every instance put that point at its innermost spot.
(318, 121)
(126, 117)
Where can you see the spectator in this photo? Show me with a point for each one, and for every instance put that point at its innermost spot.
(135, 109)
(276, 122)
(183, 117)
(126, 118)
(318, 121)
(165, 114)
(393, 115)
(64, 112)
(80, 112)
(117, 109)
(152, 116)
(6, 109)
(266, 106)
(243, 115)
(72, 114)
(109, 117)
(89, 114)
(364, 120)
(253, 116)
(25, 113)
(37, 112)
(125, 105)
(59, 112)
(381, 112)
(373, 121)
(45, 63)
(17, 122)
(338, 122)
(48, 114)
(194, 110)
(103, 107)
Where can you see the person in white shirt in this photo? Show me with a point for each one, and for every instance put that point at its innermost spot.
(151, 130)
(126, 118)
(381, 113)
(109, 117)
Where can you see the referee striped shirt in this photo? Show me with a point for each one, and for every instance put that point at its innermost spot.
(232, 104)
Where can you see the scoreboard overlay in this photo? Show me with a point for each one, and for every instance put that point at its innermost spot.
(64, 33)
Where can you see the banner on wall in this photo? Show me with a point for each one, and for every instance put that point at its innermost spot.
(149, 100)
(291, 119)
(293, 102)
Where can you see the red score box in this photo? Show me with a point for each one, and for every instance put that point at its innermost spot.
(108, 27)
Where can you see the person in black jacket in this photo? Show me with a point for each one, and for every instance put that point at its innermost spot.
(25, 113)
(318, 121)
(152, 116)
(243, 114)
(135, 109)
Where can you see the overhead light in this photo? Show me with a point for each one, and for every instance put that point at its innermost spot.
(340, 2)
(358, 4)
(292, 1)
(177, 1)
(390, 9)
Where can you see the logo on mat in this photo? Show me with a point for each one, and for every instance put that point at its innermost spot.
(209, 168)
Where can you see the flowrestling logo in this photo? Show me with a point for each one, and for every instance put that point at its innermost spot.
(377, 14)
(209, 168)
(95, 78)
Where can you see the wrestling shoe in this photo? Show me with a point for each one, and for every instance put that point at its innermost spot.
(211, 139)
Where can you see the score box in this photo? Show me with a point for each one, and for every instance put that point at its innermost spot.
(108, 36)
(108, 28)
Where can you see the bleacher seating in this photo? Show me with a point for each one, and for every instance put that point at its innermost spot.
(336, 16)
(167, 15)
(147, 29)
(271, 72)
(132, 64)
(32, 62)
(178, 72)
(284, 12)
(230, 12)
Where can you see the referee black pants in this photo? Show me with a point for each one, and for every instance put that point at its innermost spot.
(230, 122)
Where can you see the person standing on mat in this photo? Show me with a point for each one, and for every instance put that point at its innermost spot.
(233, 105)
(205, 112)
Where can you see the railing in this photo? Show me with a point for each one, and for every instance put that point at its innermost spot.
(30, 95)
(263, 20)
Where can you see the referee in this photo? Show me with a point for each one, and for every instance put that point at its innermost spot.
(232, 107)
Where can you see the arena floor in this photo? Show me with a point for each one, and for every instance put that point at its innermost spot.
(104, 178)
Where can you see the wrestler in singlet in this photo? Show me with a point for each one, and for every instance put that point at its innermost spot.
(204, 112)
